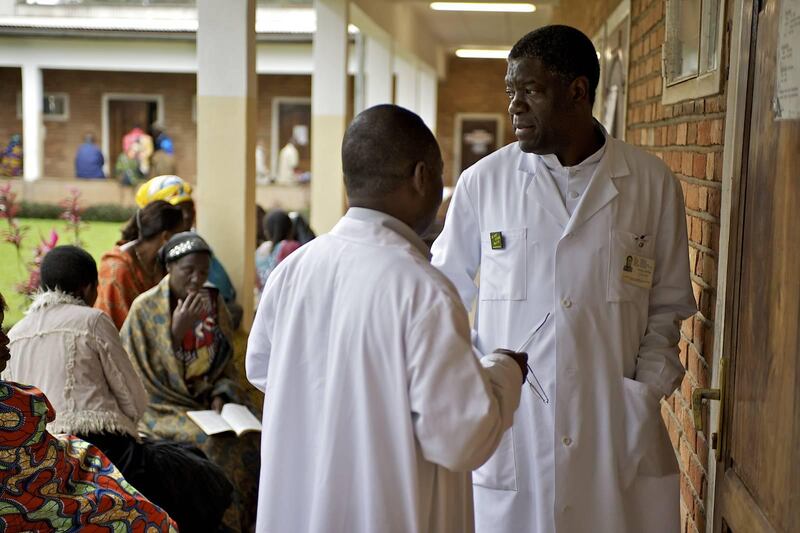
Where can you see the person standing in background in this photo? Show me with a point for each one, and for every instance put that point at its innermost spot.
(89, 159)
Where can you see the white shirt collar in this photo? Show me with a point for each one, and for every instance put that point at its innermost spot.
(388, 221)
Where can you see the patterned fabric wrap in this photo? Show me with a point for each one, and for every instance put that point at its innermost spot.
(121, 280)
(62, 484)
(11, 158)
(147, 338)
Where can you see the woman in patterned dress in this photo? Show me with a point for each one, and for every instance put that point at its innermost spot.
(60, 484)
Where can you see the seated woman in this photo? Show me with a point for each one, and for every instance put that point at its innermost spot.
(178, 335)
(73, 353)
(132, 266)
(280, 243)
(59, 483)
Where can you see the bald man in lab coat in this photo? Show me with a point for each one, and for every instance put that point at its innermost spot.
(376, 407)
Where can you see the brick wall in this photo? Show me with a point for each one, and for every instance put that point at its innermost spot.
(85, 89)
(10, 83)
(471, 86)
(688, 136)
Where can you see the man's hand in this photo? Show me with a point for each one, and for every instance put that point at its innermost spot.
(520, 357)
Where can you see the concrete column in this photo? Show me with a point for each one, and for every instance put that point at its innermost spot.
(378, 70)
(328, 109)
(32, 128)
(226, 110)
(427, 95)
(406, 95)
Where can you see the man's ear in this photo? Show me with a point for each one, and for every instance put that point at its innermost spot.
(419, 179)
(579, 90)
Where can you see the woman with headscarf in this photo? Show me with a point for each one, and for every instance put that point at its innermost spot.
(178, 335)
(280, 242)
(59, 483)
(178, 192)
(132, 266)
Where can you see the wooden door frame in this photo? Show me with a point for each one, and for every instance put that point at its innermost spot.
(735, 154)
(106, 99)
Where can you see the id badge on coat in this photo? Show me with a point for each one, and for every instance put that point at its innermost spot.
(638, 271)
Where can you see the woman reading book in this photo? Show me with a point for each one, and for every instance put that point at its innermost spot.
(178, 335)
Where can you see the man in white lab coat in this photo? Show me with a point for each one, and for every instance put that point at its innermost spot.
(376, 407)
(571, 222)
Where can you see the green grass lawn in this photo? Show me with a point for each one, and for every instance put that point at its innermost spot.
(97, 237)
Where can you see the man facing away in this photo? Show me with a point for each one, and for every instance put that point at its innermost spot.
(551, 221)
(376, 407)
(89, 159)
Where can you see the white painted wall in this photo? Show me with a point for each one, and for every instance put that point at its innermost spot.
(128, 55)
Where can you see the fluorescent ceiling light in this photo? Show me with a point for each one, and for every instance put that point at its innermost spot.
(352, 29)
(484, 6)
(473, 53)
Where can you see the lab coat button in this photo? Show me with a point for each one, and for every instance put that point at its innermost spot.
(567, 441)
(566, 509)
(567, 303)
(573, 194)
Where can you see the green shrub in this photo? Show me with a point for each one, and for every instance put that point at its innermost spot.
(94, 213)
(108, 213)
(36, 210)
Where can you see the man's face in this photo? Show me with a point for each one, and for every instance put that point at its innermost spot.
(538, 105)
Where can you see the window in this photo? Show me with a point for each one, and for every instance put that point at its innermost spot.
(691, 57)
(55, 106)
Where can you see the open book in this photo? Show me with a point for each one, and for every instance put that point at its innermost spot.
(234, 417)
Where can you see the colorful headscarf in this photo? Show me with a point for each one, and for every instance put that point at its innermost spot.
(168, 188)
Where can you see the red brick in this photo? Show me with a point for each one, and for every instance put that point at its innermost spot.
(686, 163)
(697, 477)
(704, 133)
(686, 495)
(699, 166)
(680, 137)
(717, 131)
(691, 134)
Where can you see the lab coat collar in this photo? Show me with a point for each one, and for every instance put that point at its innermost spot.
(378, 218)
(600, 192)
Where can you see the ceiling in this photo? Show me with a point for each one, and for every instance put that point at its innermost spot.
(470, 29)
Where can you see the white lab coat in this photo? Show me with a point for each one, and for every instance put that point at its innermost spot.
(376, 408)
(597, 457)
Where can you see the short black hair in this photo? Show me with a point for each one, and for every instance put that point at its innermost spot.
(68, 269)
(564, 50)
(277, 225)
(3, 304)
(381, 148)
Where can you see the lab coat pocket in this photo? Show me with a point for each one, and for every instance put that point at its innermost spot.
(504, 257)
(631, 267)
(500, 471)
(643, 452)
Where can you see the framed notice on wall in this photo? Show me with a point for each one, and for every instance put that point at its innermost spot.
(477, 135)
